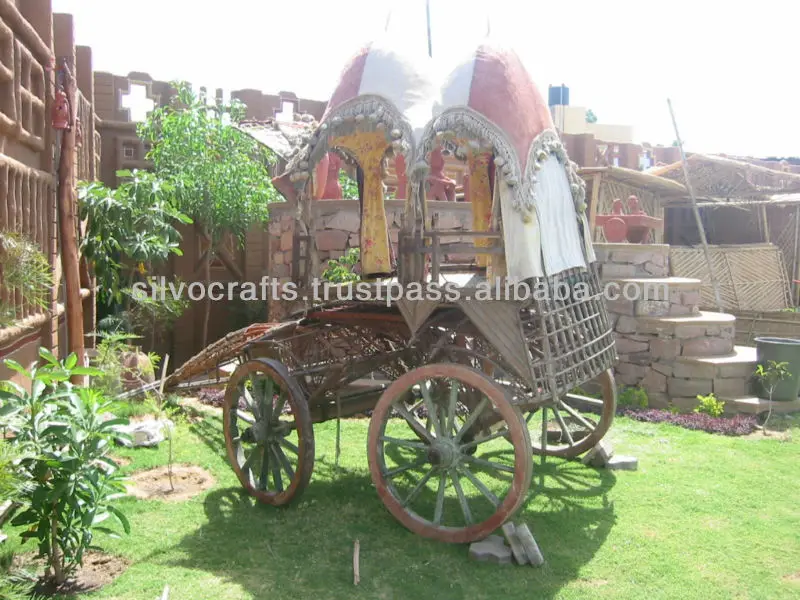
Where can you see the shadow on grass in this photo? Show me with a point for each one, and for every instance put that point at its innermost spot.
(306, 548)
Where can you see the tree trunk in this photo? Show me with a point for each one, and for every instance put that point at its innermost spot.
(207, 314)
(56, 558)
(68, 228)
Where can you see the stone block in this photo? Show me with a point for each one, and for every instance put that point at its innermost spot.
(685, 332)
(654, 382)
(287, 223)
(275, 228)
(651, 268)
(633, 256)
(688, 387)
(517, 551)
(665, 348)
(677, 310)
(626, 324)
(639, 358)
(623, 463)
(280, 271)
(332, 239)
(287, 239)
(707, 346)
(614, 271)
(652, 308)
(659, 259)
(493, 549)
(657, 400)
(628, 379)
(728, 332)
(663, 367)
(690, 298)
(621, 306)
(733, 387)
(692, 370)
(349, 221)
(532, 551)
(353, 240)
(626, 345)
(599, 455)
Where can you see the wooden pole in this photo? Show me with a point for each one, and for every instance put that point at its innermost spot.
(696, 211)
(795, 261)
(428, 20)
(68, 228)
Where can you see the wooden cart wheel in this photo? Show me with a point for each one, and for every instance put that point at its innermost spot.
(573, 424)
(436, 483)
(268, 431)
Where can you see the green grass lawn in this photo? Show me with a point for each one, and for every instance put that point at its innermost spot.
(704, 517)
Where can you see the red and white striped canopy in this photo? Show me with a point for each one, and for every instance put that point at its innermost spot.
(493, 82)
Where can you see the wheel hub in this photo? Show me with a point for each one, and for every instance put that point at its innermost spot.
(444, 454)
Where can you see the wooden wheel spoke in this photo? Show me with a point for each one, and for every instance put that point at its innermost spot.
(563, 426)
(404, 443)
(289, 446)
(247, 418)
(473, 417)
(417, 488)
(276, 470)
(278, 410)
(579, 417)
(404, 468)
(493, 436)
(490, 464)
(283, 460)
(248, 398)
(451, 406)
(437, 515)
(263, 478)
(431, 408)
(265, 396)
(481, 487)
(462, 499)
(413, 422)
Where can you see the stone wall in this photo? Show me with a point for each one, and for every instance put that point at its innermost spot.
(665, 343)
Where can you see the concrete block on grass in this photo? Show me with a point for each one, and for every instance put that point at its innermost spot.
(493, 550)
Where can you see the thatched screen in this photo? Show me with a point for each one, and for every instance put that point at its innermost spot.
(750, 277)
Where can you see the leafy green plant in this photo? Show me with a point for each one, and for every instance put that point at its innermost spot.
(632, 396)
(349, 186)
(709, 405)
(26, 270)
(770, 375)
(129, 229)
(340, 270)
(75, 483)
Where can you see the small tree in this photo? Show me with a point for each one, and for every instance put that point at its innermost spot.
(769, 376)
(216, 174)
(73, 482)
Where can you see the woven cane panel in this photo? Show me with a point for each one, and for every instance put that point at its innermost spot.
(751, 277)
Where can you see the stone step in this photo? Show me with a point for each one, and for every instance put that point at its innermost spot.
(702, 334)
(632, 260)
(753, 405)
(653, 297)
(738, 364)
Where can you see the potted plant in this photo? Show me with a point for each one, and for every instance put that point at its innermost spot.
(779, 350)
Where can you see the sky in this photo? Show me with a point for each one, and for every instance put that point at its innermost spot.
(728, 66)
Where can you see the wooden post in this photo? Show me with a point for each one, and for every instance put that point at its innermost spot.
(795, 261)
(68, 229)
(696, 211)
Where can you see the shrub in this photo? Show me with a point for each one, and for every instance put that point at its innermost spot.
(73, 481)
(26, 270)
(735, 425)
(633, 397)
(340, 270)
(709, 405)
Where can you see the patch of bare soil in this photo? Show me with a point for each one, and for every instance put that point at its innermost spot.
(154, 484)
(793, 578)
(98, 569)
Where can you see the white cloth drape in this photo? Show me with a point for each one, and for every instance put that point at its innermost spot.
(550, 241)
